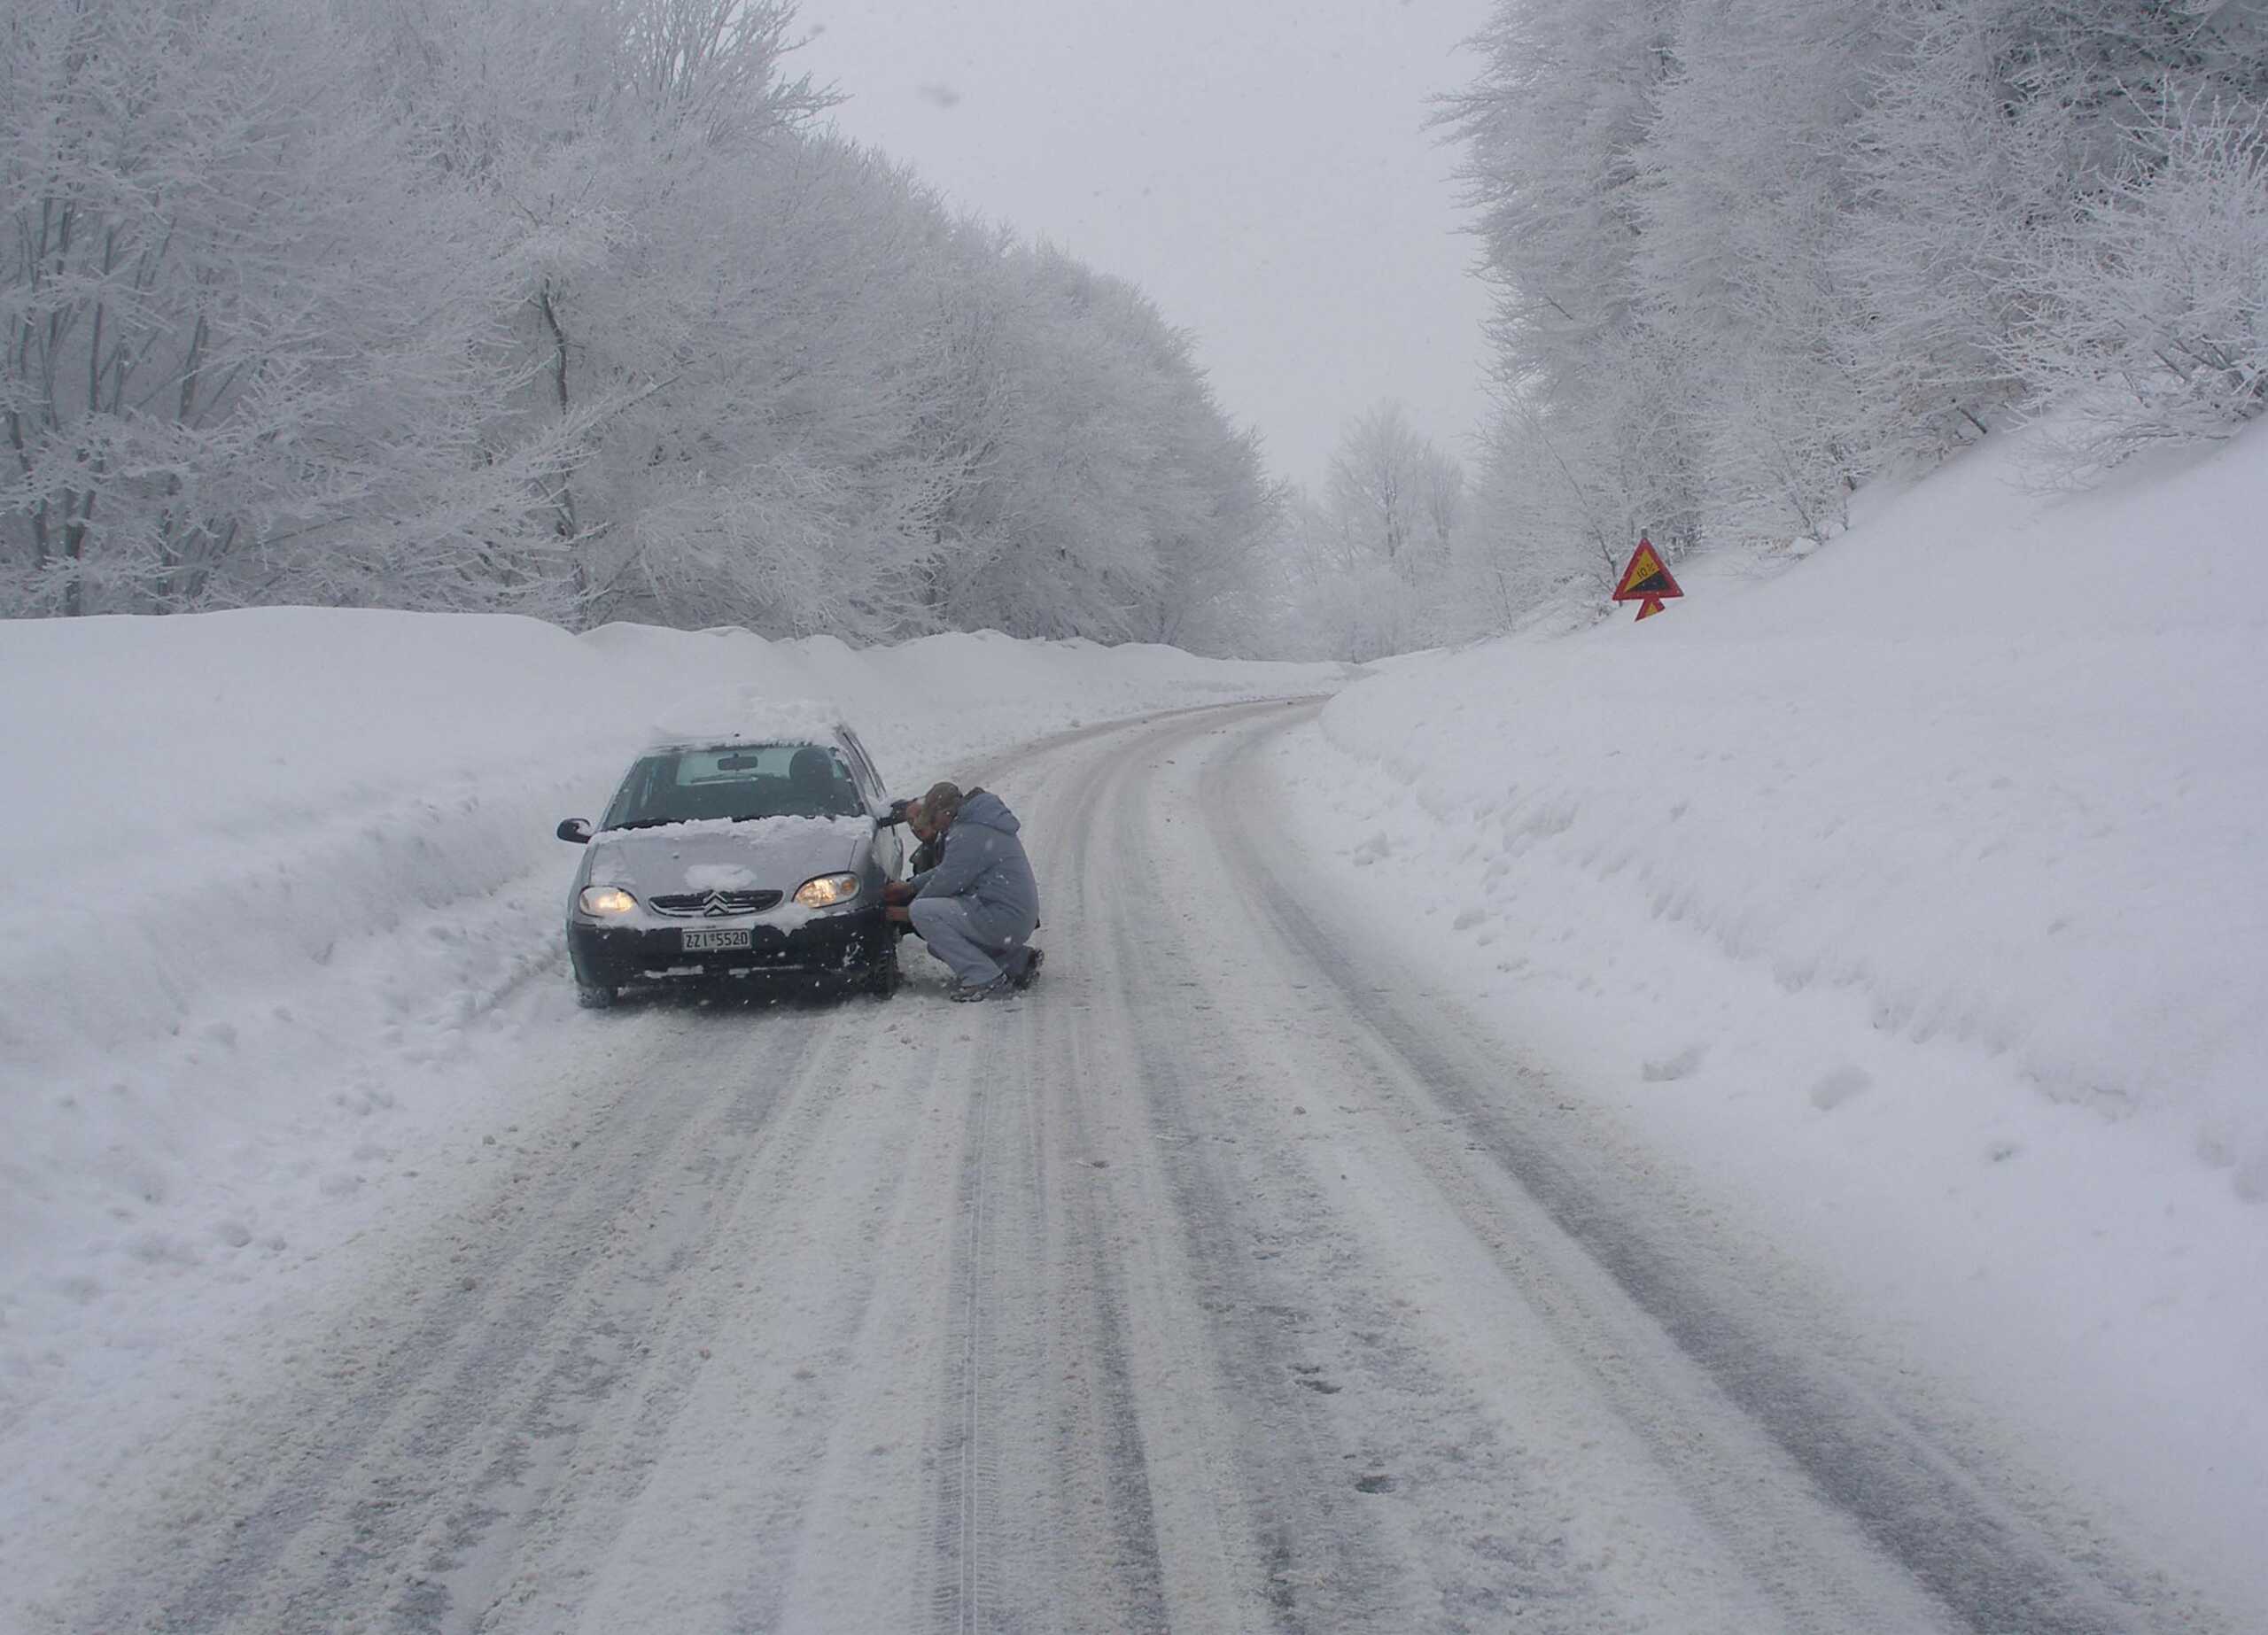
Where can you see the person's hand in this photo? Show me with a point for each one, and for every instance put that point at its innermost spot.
(897, 914)
(896, 893)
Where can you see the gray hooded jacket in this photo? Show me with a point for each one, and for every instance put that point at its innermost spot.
(985, 864)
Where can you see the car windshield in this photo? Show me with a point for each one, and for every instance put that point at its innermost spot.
(736, 782)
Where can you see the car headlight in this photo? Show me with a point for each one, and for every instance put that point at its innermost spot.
(827, 890)
(604, 900)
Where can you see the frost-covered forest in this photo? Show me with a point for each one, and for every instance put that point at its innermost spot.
(573, 307)
(581, 309)
(1750, 253)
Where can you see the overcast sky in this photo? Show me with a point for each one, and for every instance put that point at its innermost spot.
(1259, 166)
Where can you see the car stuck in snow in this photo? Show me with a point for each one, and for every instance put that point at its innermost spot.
(732, 856)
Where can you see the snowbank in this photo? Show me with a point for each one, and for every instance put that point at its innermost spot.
(1916, 894)
(266, 869)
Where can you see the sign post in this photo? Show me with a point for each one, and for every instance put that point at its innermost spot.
(1646, 580)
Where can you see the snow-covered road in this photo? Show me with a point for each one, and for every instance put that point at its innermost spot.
(1231, 1279)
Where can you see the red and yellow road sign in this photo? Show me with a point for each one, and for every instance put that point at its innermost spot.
(1646, 580)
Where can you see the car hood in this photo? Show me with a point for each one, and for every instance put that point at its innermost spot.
(765, 853)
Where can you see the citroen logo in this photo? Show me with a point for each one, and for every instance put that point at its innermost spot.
(715, 905)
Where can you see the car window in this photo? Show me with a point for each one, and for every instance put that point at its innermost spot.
(863, 764)
(737, 782)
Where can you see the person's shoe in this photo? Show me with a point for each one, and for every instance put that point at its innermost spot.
(976, 992)
(1023, 978)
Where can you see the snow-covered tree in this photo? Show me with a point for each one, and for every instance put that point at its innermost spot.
(1749, 252)
(1555, 132)
(564, 305)
(1372, 566)
(2157, 292)
(240, 365)
(1108, 496)
(1376, 488)
(1745, 186)
(636, 157)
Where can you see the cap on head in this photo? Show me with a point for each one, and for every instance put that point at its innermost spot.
(941, 805)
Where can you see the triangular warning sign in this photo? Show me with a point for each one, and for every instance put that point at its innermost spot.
(1650, 606)
(1646, 577)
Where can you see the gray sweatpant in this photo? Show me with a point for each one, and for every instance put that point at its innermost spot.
(980, 944)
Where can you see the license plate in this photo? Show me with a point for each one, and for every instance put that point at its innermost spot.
(701, 942)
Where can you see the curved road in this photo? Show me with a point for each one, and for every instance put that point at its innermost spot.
(1228, 1281)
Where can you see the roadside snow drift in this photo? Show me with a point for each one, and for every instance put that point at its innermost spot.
(1916, 894)
(265, 868)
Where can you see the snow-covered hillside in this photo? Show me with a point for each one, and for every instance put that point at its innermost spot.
(1915, 895)
(266, 869)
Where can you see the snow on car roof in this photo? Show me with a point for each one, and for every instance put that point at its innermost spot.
(750, 718)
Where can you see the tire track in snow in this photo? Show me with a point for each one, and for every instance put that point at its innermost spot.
(1493, 1465)
(1996, 1557)
(1097, 1430)
(962, 1502)
(1382, 1484)
(430, 1395)
(700, 1492)
(1042, 1505)
(1311, 1560)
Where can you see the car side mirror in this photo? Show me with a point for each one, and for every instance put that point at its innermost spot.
(896, 813)
(576, 829)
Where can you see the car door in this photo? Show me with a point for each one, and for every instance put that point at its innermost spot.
(890, 848)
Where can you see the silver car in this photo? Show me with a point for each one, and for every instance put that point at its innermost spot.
(732, 858)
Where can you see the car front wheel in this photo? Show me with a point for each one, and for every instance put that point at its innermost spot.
(883, 970)
(594, 996)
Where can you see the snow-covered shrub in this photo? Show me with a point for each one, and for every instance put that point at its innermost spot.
(2156, 325)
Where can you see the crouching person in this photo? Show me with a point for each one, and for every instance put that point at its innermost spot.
(978, 907)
